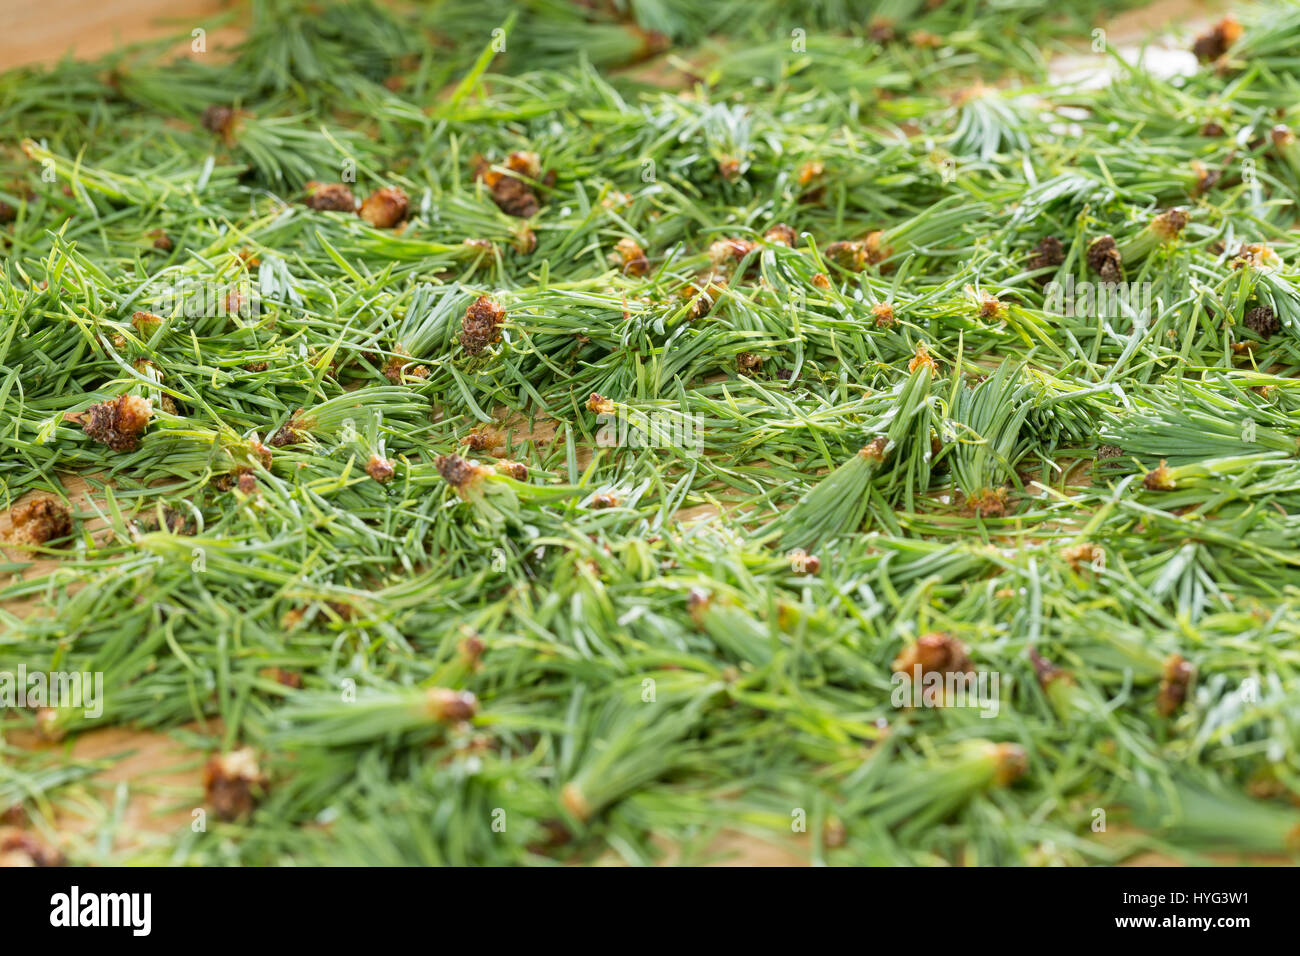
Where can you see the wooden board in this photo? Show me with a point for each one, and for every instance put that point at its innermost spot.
(44, 31)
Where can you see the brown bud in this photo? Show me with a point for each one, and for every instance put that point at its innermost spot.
(292, 432)
(632, 257)
(38, 521)
(471, 649)
(514, 198)
(385, 208)
(481, 324)
(1263, 321)
(525, 240)
(875, 449)
(450, 706)
(988, 503)
(600, 404)
(1104, 259)
(1011, 761)
(990, 306)
(847, 255)
(729, 250)
(1159, 479)
(515, 469)
(875, 248)
(1214, 43)
(1257, 255)
(1109, 451)
(221, 120)
(782, 235)
(284, 678)
(1046, 672)
(834, 833)
(1048, 254)
(20, 849)
(705, 294)
(934, 653)
(511, 194)
(1083, 555)
(525, 163)
(482, 439)
(575, 801)
(146, 323)
(331, 197)
(809, 171)
(881, 30)
(233, 783)
(921, 359)
(380, 469)
(397, 369)
(1169, 224)
(118, 423)
(260, 453)
(1174, 685)
(461, 473)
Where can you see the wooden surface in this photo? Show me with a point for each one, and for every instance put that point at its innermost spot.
(43, 31)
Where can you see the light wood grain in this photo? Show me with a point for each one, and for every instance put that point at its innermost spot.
(45, 31)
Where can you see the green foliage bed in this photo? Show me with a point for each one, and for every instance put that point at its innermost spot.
(589, 505)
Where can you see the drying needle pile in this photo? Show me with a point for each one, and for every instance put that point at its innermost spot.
(484, 432)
